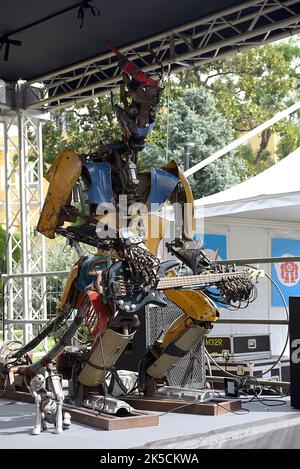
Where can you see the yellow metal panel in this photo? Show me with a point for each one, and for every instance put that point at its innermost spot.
(173, 168)
(175, 329)
(194, 303)
(63, 174)
(69, 286)
(156, 230)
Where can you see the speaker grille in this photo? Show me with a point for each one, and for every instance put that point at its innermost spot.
(190, 370)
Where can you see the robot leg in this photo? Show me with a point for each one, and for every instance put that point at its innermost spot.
(37, 387)
(58, 395)
(107, 348)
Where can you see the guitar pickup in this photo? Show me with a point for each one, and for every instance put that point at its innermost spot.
(118, 287)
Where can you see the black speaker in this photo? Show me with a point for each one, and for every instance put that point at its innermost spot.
(294, 305)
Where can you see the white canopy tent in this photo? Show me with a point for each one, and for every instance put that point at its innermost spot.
(251, 214)
(273, 195)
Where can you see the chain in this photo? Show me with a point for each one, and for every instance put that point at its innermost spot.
(143, 262)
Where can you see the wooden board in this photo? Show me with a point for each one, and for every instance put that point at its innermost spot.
(18, 396)
(108, 422)
(215, 407)
(138, 419)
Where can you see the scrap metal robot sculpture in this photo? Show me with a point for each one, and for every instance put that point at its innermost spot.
(116, 210)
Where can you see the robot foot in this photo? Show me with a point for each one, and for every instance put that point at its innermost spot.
(66, 421)
(36, 430)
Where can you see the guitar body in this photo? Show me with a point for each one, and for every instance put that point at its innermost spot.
(130, 297)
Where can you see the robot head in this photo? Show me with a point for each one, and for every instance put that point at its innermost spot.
(138, 113)
(140, 95)
(37, 383)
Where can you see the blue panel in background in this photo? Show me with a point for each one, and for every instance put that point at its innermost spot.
(214, 244)
(287, 274)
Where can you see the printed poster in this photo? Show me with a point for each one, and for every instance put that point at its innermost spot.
(287, 273)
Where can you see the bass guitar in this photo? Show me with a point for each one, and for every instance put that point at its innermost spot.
(130, 297)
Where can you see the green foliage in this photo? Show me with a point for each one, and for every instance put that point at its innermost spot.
(3, 247)
(59, 258)
(81, 128)
(193, 117)
(252, 87)
(289, 137)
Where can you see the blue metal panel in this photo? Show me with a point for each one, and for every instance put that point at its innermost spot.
(84, 279)
(100, 189)
(162, 186)
(144, 132)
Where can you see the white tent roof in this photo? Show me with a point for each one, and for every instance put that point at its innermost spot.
(273, 194)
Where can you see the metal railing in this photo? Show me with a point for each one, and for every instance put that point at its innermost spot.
(43, 305)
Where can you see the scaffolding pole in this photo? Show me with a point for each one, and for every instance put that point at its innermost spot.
(25, 299)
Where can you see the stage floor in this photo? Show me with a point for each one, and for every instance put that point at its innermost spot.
(17, 419)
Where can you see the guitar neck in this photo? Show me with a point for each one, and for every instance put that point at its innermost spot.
(196, 280)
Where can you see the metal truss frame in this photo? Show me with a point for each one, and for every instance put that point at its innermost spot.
(248, 24)
(25, 298)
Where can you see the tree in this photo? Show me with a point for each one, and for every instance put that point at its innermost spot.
(3, 249)
(81, 128)
(250, 87)
(289, 136)
(194, 118)
(185, 115)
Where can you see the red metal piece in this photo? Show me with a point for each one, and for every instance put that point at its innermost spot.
(98, 314)
(133, 70)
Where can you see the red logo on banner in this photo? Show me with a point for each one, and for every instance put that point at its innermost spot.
(289, 272)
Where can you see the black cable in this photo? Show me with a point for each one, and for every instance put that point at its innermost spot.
(278, 402)
(82, 6)
(85, 5)
(287, 337)
(177, 408)
(257, 396)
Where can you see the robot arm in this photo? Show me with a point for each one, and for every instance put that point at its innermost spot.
(62, 176)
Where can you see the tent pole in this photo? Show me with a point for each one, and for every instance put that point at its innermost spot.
(259, 260)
